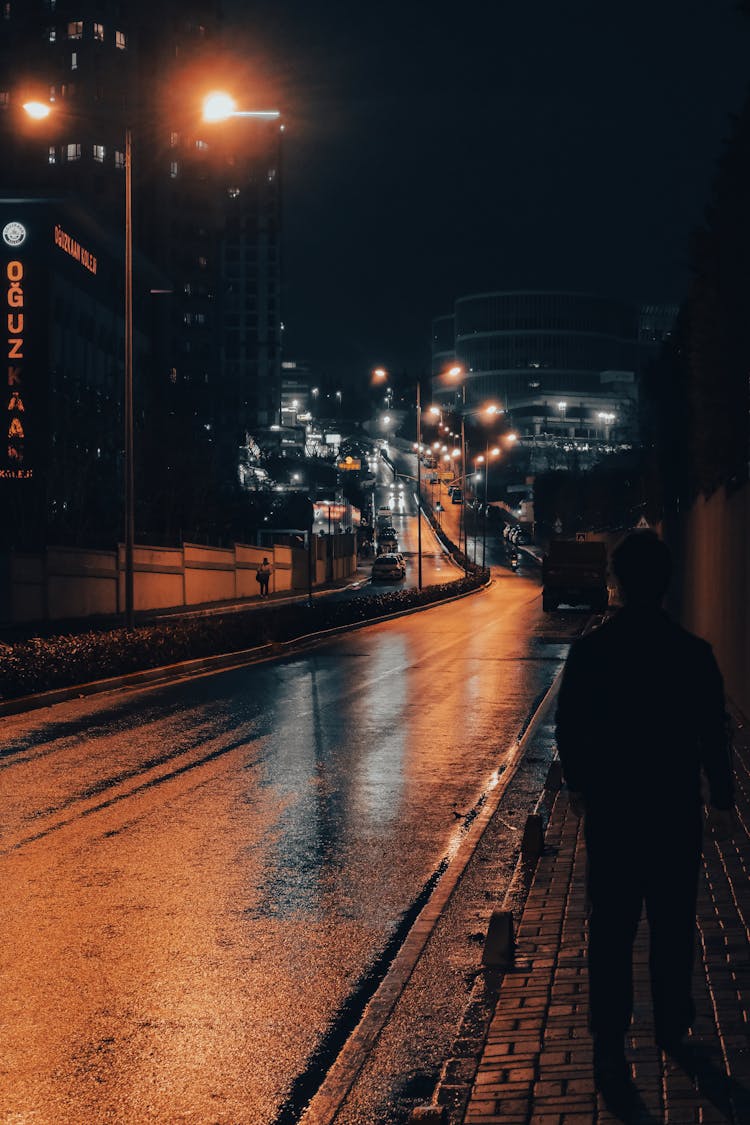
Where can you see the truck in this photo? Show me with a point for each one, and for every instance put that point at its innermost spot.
(575, 573)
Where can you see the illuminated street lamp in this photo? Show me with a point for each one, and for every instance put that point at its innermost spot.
(379, 374)
(457, 372)
(494, 452)
(38, 111)
(219, 106)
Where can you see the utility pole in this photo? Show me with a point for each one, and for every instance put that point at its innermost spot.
(419, 487)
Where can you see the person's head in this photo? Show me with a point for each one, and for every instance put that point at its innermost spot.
(642, 566)
(265, 562)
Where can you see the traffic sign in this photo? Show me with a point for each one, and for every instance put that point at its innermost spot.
(643, 524)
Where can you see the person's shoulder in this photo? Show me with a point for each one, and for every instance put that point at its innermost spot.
(590, 644)
(601, 634)
(691, 642)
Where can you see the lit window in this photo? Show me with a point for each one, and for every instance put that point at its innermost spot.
(6, 11)
(174, 139)
(202, 262)
(75, 29)
(233, 192)
(52, 155)
(203, 145)
(99, 153)
(73, 152)
(4, 99)
(174, 169)
(120, 41)
(52, 34)
(99, 32)
(74, 60)
(119, 158)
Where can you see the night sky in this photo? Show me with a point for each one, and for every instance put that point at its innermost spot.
(437, 149)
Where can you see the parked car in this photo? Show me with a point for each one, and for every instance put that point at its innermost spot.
(387, 544)
(387, 567)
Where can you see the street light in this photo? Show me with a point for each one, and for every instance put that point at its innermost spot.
(38, 111)
(494, 452)
(379, 374)
(457, 372)
(219, 106)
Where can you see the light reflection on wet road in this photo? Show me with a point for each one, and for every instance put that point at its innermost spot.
(196, 876)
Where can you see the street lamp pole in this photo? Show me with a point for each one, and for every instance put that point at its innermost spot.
(128, 389)
(39, 111)
(464, 453)
(484, 512)
(419, 487)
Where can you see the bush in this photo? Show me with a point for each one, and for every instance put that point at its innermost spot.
(40, 664)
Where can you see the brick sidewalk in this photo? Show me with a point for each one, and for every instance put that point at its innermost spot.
(536, 1068)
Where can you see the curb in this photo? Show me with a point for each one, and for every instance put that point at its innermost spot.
(458, 1073)
(168, 673)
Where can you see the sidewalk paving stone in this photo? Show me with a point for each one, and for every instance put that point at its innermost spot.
(536, 1067)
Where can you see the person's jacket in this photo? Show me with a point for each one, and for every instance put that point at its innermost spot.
(640, 711)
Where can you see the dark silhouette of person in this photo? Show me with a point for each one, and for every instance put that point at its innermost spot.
(264, 576)
(640, 713)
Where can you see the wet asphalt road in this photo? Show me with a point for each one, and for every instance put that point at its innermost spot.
(197, 876)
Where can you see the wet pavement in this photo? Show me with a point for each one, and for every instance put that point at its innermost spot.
(199, 877)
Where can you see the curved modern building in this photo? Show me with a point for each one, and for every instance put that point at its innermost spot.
(562, 365)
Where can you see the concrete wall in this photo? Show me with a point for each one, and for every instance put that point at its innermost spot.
(72, 583)
(711, 545)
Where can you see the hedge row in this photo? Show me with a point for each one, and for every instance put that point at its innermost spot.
(44, 663)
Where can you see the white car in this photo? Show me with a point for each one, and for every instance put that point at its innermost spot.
(387, 567)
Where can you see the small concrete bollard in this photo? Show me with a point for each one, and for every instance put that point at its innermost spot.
(554, 776)
(428, 1114)
(500, 943)
(532, 844)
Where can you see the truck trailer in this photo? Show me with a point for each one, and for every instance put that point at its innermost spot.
(575, 573)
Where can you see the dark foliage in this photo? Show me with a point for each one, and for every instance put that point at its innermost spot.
(40, 664)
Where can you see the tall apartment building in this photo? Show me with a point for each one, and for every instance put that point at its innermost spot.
(206, 228)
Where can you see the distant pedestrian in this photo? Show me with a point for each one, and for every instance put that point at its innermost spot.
(640, 713)
(264, 576)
